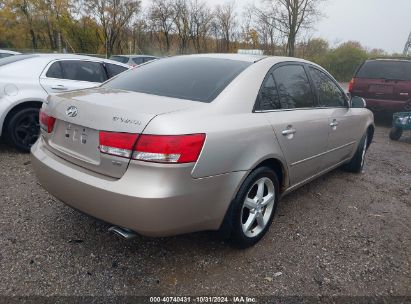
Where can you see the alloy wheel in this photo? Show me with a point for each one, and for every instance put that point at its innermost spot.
(258, 207)
(27, 129)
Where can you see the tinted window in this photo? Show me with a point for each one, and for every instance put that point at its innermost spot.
(268, 96)
(121, 59)
(329, 95)
(138, 60)
(293, 87)
(15, 58)
(113, 69)
(185, 77)
(386, 69)
(83, 70)
(55, 71)
(4, 55)
(147, 59)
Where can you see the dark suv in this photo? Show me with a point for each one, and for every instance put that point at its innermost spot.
(384, 83)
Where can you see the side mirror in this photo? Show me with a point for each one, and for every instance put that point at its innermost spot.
(358, 102)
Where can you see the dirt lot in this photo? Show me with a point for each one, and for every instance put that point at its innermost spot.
(343, 234)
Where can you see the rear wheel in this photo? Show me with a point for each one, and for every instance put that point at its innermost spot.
(395, 133)
(23, 128)
(252, 211)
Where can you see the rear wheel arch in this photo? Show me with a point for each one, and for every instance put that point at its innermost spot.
(16, 108)
(370, 134)
(278, 167)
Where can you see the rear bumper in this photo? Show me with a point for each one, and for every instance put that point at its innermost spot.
(387, 105)
(151, 199)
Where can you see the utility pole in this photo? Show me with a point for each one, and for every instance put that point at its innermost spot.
(407, 48)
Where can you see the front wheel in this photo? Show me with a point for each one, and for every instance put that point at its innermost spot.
(23, 128)
(356, 164)
(253, 208)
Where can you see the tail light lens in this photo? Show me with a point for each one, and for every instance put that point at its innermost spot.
(351, 85)
(175, 149)
(46, 122)
(118, 144)
(169, 148)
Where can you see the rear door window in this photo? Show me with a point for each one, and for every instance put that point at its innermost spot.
(121, 59)
(293, 87)
(83, 70)
(268, 98)
(138, 60)
(329, 95)
(55, 71)
(147, 59)
(114, 69)
(385, 69)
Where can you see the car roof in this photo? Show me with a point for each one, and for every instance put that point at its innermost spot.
(249, 57)
(390, 59)
(57, 56)
(135, 56)
(9, 52)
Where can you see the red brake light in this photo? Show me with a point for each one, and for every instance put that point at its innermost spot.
(169, 148)
(351, 85)
(46, 122)
(118, 144)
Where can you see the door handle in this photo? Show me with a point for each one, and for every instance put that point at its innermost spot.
(59, 88)
(289, 131)
(334, 123)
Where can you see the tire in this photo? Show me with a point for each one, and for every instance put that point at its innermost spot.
(23, 128)
(356, 164)
(256, 212)
(395, 133)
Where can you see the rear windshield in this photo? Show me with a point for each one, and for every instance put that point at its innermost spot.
(121, 59)
(192, 78)
(385, 69)
(11, 59)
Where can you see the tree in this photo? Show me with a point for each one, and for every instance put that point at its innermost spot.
(182, 21)
(292, 16)
(200, 24)
(344, 60)
(225, 24)
(113, 16)
(162, 16)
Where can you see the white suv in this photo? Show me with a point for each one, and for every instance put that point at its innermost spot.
(27, 80)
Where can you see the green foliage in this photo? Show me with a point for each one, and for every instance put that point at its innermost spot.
(344, 60)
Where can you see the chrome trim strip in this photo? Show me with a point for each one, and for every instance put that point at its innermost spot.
(321, 154)
(296, 109)
(290, 189)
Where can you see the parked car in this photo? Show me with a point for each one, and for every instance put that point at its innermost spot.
(26, 81)
(385, 84)
(199, 142)
(4, 53)
(133, 60)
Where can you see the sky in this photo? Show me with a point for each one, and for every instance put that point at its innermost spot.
(382, 24)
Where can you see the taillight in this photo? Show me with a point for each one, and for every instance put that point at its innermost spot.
(118, 144)
(46, 121)
(169, 148)
(351, 85)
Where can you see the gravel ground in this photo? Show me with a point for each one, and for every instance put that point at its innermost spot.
(342, 234)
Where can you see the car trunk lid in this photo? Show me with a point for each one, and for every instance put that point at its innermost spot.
(81, 115)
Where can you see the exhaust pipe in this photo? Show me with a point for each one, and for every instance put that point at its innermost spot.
(123, 232)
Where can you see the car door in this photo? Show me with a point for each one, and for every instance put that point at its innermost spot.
(66, 75)
(343, 123)
(287, 101)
